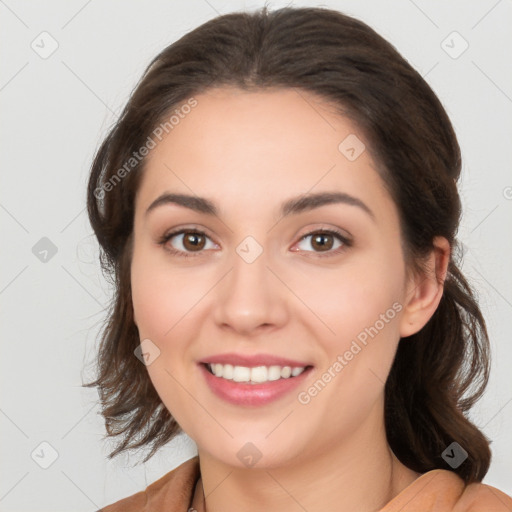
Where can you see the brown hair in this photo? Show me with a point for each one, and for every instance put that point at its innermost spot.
(438, 373)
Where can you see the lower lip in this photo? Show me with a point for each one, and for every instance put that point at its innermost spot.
(245, 393)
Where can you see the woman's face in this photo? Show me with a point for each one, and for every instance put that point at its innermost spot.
(260, 282)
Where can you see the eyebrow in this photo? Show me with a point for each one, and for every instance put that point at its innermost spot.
(291, 206)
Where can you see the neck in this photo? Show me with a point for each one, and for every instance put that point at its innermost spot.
(360, 473)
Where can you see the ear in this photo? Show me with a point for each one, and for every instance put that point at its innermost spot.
(424, 290)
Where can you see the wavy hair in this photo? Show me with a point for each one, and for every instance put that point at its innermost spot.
(438, 373)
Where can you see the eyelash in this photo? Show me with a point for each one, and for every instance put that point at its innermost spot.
(337, 234)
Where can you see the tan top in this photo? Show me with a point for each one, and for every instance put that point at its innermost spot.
(438, 490)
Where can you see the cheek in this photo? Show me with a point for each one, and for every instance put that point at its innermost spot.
(362, 309)
(357, 297)
(162, 297)
(361, 304)
(163, 307)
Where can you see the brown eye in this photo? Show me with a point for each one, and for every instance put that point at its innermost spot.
(193, 240)
(323, 241)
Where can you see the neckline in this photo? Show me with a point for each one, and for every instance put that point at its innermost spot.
(198, 499)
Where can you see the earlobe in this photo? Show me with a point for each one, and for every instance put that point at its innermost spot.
(425, 290)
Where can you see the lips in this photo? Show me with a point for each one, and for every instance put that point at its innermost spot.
(254, 360)
(247, 394)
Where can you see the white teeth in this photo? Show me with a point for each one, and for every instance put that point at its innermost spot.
(259, 374)
(286, 372)
(227, 371)
(274, 373)
(240, 374)
(297, 371)
(256, 374)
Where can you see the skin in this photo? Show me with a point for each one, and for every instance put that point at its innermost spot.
(248, 152)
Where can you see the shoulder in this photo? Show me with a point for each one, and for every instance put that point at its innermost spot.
(480, 497)
(173, 491)
(441, 490)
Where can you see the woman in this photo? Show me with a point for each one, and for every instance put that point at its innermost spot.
(277, 205)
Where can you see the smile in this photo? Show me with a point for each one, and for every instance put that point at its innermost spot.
(252, 386)
(254, 375)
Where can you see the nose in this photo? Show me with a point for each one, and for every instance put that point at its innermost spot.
(251, 297)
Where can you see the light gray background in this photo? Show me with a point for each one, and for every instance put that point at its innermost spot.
(56, 110)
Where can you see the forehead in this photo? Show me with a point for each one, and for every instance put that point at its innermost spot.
(253, 148)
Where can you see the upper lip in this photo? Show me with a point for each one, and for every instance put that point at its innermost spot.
(253, 360)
